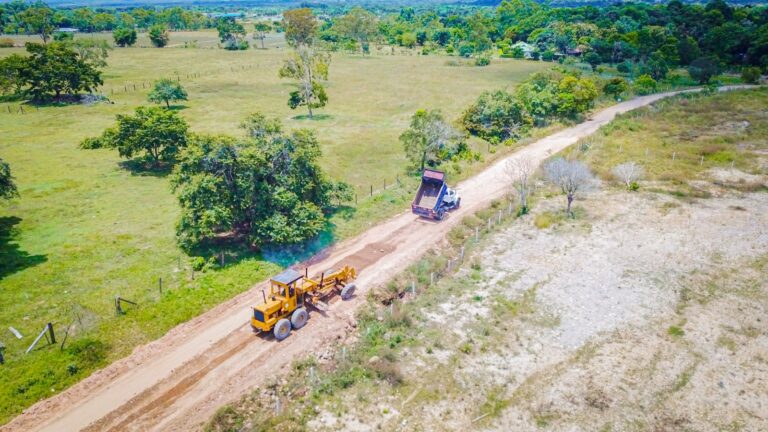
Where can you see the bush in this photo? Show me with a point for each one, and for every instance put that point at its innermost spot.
(750, 75)
(6, 43)
(703, 69)
(197, 263)
(483, 61)
(89, 351)
(645, 84)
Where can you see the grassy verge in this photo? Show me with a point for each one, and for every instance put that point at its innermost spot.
(683, 139)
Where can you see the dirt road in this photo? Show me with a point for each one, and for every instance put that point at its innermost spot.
(178, 381)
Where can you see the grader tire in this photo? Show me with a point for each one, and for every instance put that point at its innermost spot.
(348, 291)
(299, 318)
(282, 329)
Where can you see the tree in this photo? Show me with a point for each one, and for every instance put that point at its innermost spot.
(261, 28)
(157, 133)
(158, 35)
(12, 73)
(703, 69)
(629, 173)
(593, 59)
(167, 90)
(232, 35)
(124, 37)
(429, 140)
(300, 26)
(39, 21)
(55, 69)
(496, 117)
(572, 177)
(615, 87)
(520, 171)
(575, 95)
(359, 25)
(7, 185)
(307, 66)
(267, 188)
(92, 51)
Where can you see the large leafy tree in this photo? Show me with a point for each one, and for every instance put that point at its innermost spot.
(124, 37)
(56, 69)
(158, 35)
(154, 133)
(232, 34)
(300, 26)
(496, 116)
(307, 66)
(266, 188)
(39, 21)
(7, 185)
(167, 90)
(359, 25)
(430, 139)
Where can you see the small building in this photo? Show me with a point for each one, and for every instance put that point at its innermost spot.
(67, 30)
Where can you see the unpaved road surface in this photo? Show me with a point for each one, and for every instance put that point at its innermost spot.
(178, 381)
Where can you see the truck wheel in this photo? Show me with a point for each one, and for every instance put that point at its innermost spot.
(458, 203)
(299, 318)
(282, 329)
(348, 291)
(440, 214)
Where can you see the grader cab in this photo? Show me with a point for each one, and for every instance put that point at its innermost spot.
(290, 293)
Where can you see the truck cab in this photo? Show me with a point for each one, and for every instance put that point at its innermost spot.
(285, 295)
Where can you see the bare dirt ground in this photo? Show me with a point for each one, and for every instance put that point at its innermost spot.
(645, 314)
(178, 381)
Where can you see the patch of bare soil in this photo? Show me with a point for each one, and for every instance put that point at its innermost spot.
(644, 314)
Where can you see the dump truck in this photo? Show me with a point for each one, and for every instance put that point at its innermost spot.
(434, 198)
(291, 292)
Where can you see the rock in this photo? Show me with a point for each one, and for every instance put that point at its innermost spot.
(373, 360)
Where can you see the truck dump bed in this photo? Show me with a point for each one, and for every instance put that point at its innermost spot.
(430, 193)
(427, 195)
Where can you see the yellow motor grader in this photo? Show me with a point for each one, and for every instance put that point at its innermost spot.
(290, 292)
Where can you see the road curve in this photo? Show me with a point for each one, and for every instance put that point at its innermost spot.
(178, 381)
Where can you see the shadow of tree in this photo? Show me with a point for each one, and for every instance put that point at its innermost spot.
(316, 117)
(12, 259)
(140, 167)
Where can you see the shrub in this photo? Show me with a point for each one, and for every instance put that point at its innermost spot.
(483, 61)
(89, 351)
(197, 263)
(750, 75)
(703, 69)
(6, 43)
(543, 220)
(645, 84)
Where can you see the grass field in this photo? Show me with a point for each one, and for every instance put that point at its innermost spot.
(725, 132)
(87, 229)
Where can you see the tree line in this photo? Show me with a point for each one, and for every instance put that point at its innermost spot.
(642, 38)
(22, 17)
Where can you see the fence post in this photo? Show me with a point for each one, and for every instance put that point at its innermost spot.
(489, 224)
(2, 348)
(160, 284)
(371, 190)
(674, 154)
(462, 254)
(413, 288)
(477, 234)
(432, 278)
(222, 258)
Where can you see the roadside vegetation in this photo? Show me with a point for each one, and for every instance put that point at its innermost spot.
(722, 133)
